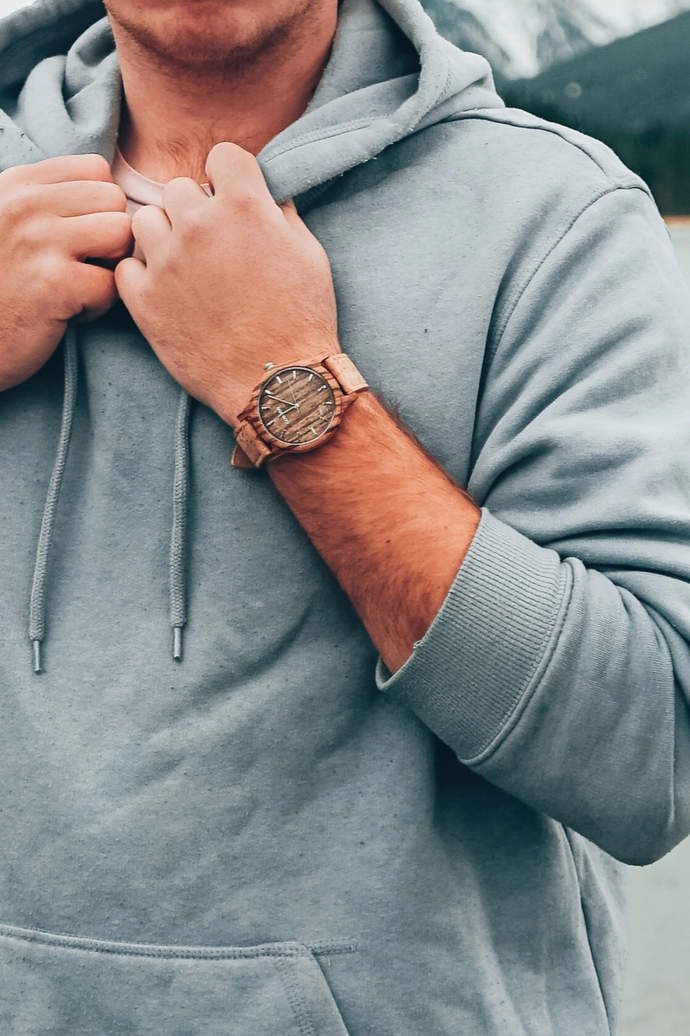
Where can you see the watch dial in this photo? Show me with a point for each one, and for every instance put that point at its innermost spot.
(297, 405)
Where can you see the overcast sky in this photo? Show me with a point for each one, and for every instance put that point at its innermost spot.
(6, 6)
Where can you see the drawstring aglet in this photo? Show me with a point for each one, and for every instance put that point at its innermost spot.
(177, 643)
(36, 645)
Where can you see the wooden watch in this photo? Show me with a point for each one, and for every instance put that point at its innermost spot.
(296, 409)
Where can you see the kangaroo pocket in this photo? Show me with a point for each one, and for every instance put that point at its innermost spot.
(53, 985)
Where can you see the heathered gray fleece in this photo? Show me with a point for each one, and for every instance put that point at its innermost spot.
(264, 840)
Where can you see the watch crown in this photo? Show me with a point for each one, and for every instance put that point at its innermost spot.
(269, 366)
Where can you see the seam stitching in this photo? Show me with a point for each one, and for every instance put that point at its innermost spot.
(295, 998)
(540, 263)
(315, 135)
(268, 950)
(504, 117)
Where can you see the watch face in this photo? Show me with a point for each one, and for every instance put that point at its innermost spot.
(297, 405)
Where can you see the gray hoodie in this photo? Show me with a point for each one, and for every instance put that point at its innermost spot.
(274, 838)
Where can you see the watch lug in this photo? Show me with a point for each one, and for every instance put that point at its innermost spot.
(240, 460)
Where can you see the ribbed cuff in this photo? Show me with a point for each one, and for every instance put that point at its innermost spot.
(479, 657)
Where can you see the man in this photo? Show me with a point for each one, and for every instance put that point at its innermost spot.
(274, 836)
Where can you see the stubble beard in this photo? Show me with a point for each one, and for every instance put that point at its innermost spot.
(222, 52)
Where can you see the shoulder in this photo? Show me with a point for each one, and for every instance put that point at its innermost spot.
(526, 137)
(512, 181)
(511, 153)
(513, 168)
(528, 181)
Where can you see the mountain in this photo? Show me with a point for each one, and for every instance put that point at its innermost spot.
(523, 37)
(633, 94)
(634, 85)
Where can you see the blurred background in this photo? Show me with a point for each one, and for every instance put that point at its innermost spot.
(616, 69)
(620, 71)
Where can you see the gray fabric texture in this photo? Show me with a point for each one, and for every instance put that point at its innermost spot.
(266, 839)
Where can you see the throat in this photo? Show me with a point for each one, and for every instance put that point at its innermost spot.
(162, 157)
(175, 111)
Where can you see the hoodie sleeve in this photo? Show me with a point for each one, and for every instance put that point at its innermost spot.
(559, 665)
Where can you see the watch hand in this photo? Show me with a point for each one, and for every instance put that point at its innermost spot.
(287, 403)
(281, 413)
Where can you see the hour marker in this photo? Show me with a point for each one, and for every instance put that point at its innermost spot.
(314, 431)
(271, 422)
(294, 375)
(265, 407)
(279, 379)
(310, 377)
(323, 387)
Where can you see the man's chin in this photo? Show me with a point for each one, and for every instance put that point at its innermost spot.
(202, 36)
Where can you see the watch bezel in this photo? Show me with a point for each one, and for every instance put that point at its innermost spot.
(338, 397)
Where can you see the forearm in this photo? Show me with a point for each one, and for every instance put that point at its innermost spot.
(389, 523)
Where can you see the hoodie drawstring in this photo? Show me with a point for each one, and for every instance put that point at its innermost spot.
(37, 605)
(178, 532)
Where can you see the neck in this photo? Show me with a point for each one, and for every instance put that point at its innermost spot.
(172, 117)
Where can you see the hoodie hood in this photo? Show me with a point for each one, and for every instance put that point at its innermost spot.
(60, 89)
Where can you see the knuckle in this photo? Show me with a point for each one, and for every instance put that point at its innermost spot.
(121, 223)
(115, 225)
(183, 193)
(18, 204)
(55, 274)
(8, 176)
(112, 196)
(94, 166)
(19, 173)
(141, 218)
(247, 200)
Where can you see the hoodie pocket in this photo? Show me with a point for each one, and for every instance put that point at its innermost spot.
(53, 985)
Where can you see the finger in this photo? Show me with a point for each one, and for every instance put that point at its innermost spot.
(81, 197)
(151, 228)
(232, 170)
(61, 170)
(130, 279)
(99, 235)
(180, 196)
(95, 291)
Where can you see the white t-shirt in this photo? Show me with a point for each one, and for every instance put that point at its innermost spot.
(138, 189)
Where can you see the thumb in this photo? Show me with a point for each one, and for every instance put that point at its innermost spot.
(130, 280)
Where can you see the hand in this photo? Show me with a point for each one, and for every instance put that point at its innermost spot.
(230, 282)
(53, 216)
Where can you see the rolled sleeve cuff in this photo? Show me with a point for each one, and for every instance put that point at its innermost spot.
(488, 643)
